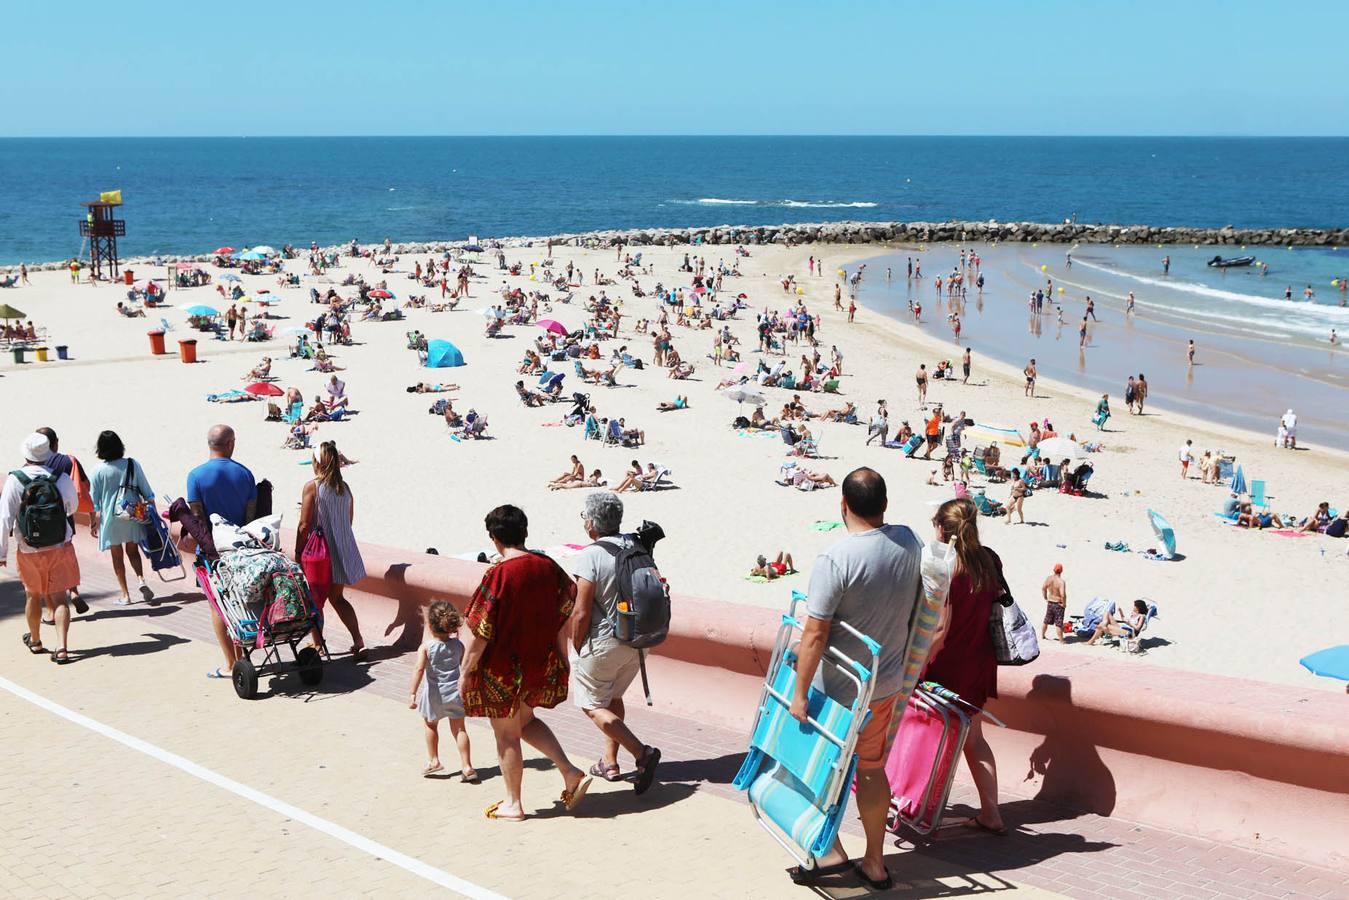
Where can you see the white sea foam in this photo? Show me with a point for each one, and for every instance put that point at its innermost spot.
(792, 204)
(718, 201)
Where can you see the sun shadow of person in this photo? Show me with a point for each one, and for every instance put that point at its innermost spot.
(1069, 767)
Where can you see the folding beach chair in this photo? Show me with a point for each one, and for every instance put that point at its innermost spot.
(159, 549)
(656, 483)
(797, 775)
(1258, 498)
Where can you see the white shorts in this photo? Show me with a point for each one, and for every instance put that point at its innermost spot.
(602, 672)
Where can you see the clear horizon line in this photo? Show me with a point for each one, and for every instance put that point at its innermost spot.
(1159, 136)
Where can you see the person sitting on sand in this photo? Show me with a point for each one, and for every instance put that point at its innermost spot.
(452, 418)
(337, 394)
(631, 478)
(531, 365)
(1247, 517)
(318, 412)
(848, 412)
(577, 472)
(1126, 629)
(781, 565)
(1317, 521)
(680, 402)
(595, 480)
(128, 311)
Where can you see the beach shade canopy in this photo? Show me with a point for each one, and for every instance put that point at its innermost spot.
(230, 276)
(1008, 436)
(223, 251)
(1332, 662)
(552, 325)
(1165, 533)
(1239, 481)
(491, 312)
(265, 250)
(443, 355)
(201, 309)
(253, 255)
(264, 389)
(380, 294)
(143, 285)
(1058, 448)
(9, 312)
(745, 394)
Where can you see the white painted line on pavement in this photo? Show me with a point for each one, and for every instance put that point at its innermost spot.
(332, 829)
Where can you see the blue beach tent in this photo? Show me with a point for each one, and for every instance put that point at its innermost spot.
(443, 355)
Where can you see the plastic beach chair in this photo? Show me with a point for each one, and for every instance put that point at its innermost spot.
(1258, 497)
(797, 775)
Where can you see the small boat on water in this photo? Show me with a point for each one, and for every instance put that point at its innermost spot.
(1219, 263)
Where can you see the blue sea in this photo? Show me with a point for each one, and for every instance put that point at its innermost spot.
(190, 195)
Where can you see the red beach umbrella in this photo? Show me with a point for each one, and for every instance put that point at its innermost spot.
(552, 325)
(263, 389)
(380, 294)
(223, 251)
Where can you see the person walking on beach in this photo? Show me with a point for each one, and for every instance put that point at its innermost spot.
(965, 366)
(962, 650)
(327, 510)
(880, 425)
(224, 487)
(1141, 392)
(838, 298)
(955, 325)
(852, 310)
(1129, 307)
(909, 273)
(1091, 310)
(1289, 425)
(1082, 333)
(23, 273)
(513, 662)
(1189, 353)
(1029, 372)
(869, 580)
(435, 689)
(122, 504)
(603, 668)
(231, 319)
(1186, 457)
(1055, 592)
(61, 464)
(1016, 501)
(921, 378)
(36, 506)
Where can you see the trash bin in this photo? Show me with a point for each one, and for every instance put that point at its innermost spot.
(41, 354)
(187, 350)
(62, 351)
(128, 277)
(18, 355)
(157, 342)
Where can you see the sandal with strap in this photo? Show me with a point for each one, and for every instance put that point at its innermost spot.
(33, 646)
(572, 799)
(608, 772)
(491, 813)
(60, 657)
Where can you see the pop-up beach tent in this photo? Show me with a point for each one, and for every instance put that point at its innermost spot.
(443, 355)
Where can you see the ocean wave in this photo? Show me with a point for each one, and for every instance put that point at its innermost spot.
(792, 204)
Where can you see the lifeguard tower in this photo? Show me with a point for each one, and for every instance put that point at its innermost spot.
(103, 230)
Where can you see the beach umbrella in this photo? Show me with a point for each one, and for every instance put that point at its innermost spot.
(265, 250)
(552, 325)
(745, 393)
(443, 355)
(143, 285)
(253, 255)
(264, 389)
(380, 294)
(1060, 448)
(295, 330)
(202, 309)
(1239, 481)
(491, 312)
(1332, 662)
(223, 251)
(1165, 533)
(230, 277)
(8, 312)
(1008, 436)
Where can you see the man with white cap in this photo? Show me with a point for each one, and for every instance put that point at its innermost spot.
(35, 504)
(1289, 424)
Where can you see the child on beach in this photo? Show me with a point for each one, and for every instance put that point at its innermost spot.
(435, 688)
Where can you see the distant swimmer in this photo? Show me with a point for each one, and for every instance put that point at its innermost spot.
(1334, 339)
(1166, 265)
(1288, 292)
(1308, 294)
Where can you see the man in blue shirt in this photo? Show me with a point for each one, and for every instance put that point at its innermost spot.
(224, 487)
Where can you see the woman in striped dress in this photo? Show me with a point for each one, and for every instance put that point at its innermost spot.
(327, 504)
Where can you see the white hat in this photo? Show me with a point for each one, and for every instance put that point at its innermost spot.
(36, 448)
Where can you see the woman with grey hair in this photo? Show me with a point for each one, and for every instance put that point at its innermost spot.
(604, 668)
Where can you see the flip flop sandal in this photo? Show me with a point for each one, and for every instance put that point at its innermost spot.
(975, 824)
(469, 777)
(124, 601)
(34, 647)
(428, 770)
(49, 622)
(361, 655)
(217, 673)
(811, 876)
(572, 799)
(60, 657)
(608, 773)
(646, 770)
(883, 884)
(491, 813)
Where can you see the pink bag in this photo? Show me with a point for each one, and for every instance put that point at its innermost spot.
(318, 567)
(923, 760)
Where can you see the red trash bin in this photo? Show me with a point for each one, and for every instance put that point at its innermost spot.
(128, 277)
(187, 351)
(156, 342)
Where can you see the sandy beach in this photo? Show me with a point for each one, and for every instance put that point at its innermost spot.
(417, 488)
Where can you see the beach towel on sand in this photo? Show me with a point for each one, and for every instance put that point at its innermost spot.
(825, 525)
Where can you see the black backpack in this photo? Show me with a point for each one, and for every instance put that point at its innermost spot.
(42, 511)
(641, 617)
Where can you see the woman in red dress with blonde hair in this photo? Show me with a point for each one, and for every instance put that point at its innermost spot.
(515, 659)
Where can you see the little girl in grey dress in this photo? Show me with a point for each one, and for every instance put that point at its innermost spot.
(435, 688)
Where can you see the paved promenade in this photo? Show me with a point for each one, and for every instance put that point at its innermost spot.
(128, 773)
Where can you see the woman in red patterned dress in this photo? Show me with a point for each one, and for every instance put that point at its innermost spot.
(515, 659)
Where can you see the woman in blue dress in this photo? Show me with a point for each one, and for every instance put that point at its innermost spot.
(117, 518)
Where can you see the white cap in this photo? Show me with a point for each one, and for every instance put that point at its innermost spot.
(36, 448)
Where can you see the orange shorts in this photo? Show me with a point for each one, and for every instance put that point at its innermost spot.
(53, 571)
(873, 744)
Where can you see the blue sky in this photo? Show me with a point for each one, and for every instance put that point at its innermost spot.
(747, 67)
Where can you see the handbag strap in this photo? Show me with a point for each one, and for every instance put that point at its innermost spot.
(130, 471)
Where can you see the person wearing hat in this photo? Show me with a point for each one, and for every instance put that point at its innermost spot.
(48, 573)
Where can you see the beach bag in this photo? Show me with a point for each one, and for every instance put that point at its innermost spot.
(641, 617)
(86, 499)
(131, 505)
(287, 595)
(42, 512)
(1014, 641)
(318, 566)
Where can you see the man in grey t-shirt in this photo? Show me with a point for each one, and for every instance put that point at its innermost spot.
(870, 580)
(603, 668)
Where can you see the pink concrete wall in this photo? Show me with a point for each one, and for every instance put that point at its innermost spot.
(1242, 762)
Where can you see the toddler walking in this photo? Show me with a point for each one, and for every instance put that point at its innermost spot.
(435, 688)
